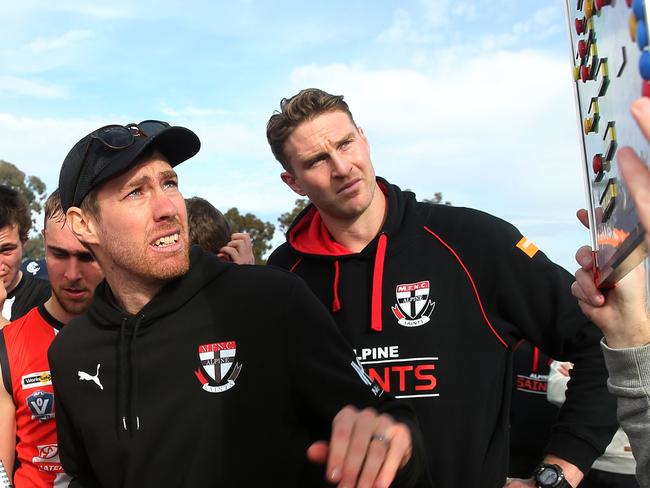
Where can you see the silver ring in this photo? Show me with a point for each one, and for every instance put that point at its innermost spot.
(380, 438)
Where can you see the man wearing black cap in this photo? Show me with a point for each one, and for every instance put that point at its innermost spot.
(197, 372)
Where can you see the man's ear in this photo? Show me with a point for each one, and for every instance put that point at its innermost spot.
(82, 226)
(292, 183)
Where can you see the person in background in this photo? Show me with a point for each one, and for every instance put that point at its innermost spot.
(209, 229)
(531, 415)
(27, 415)
(616, 467)
(19, 292)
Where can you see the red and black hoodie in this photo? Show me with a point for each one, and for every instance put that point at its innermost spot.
(433, 307)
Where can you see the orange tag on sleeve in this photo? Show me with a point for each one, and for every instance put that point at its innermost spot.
(527, 247)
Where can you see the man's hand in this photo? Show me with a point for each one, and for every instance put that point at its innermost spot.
(365, 451)
(621, 311)
(239, 250)
(572, 474)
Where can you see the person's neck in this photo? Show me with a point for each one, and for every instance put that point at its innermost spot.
(55, 309)
(131, 292)
(357, 233)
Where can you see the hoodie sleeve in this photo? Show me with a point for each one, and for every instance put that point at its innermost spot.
(529, 297)
(71, 450)
(629, 380)
(327, 377)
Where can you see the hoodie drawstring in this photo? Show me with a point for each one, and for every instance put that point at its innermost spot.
(336, 304)
(377, 281)
(121, 377)
(128, 404)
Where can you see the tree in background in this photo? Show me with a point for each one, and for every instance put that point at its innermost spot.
(33, 190)
(437, 198)
(261, 232)
(288, 217)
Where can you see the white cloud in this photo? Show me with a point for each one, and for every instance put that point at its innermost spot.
(46, 45)
(44, 53)
(14, 85)
(191, 111)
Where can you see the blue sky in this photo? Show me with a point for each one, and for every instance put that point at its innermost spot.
(470, 98)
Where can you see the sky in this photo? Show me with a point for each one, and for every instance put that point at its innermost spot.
(470, 98)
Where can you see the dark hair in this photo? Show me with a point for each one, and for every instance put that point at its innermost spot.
(306, 105)
(208, 227)
(14, 211)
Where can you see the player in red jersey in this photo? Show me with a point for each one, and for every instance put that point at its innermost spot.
(28, 442)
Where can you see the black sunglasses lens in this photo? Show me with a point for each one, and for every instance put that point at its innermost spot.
(152, 127)
(115, 136)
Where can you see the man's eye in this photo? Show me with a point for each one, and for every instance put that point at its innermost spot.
(135, 193)
(171, 184)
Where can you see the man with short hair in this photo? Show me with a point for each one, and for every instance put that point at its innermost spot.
(209, 229)
(197, 372)
(19, 292)
(27, 415)
(433, 298)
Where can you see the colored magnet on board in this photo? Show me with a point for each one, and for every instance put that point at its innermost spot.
(582, 48)
(632, 27)
(580, 26)
(589, 8)
(628, 2)
(644, 65)
(597, 163)
(641, 34)
(584, 73)
(645, 88)
(638, 7)
(601, 3)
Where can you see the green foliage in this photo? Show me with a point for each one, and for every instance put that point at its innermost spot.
(31, 188)
(34, 248)
(288, 217)
(437, 198)
(261, 232)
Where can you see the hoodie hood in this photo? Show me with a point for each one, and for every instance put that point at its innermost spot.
(308, 236)
(105, 313)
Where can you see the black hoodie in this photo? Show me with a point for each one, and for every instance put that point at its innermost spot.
(223, 379)
(433, 306)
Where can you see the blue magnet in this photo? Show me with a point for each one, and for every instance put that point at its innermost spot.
(641, 34)
(638, 7)
(644, 65)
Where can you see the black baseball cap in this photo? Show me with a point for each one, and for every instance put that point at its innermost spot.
(79, 174)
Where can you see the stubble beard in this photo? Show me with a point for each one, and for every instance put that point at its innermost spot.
(145, 266)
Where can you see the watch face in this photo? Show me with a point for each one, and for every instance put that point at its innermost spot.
(548, 477)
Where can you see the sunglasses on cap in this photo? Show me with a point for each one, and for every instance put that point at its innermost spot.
(121, 136)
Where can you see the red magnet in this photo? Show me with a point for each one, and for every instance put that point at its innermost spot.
(582, 48)
(584, 74)
(645, 89)
(597, 163)
(580, 25)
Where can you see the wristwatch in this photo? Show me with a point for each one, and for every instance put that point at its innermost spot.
(550, 476)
